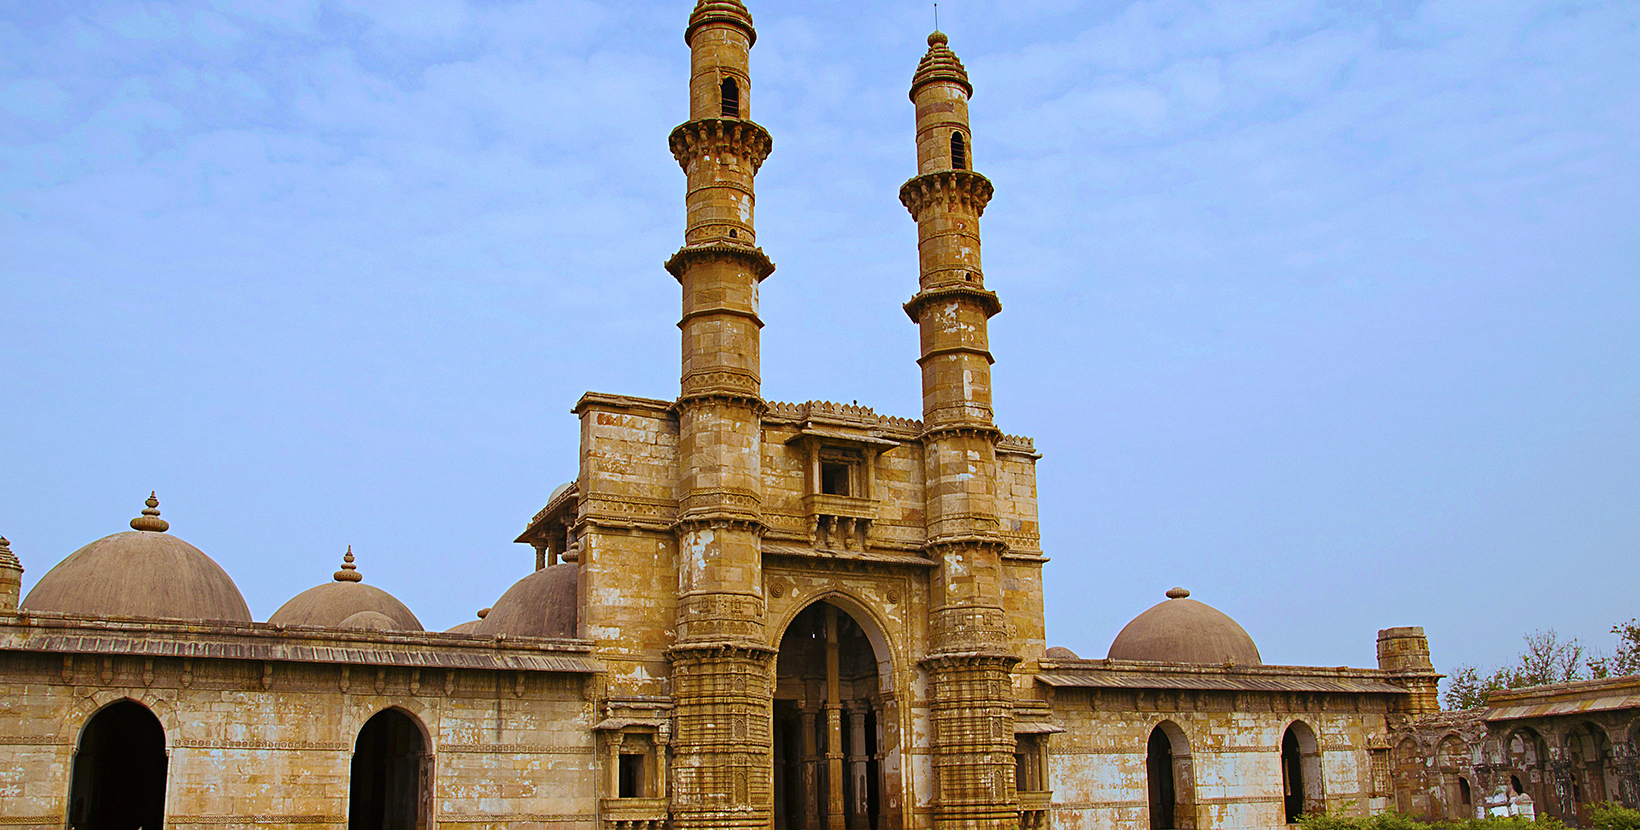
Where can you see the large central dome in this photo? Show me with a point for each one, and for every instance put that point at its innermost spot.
(1182, 630)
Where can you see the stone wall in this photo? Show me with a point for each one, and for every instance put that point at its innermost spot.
(253, 743)
(1228, 751)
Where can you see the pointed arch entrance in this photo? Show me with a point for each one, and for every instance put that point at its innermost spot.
(835, 723)
(118, 781)
(391, 787)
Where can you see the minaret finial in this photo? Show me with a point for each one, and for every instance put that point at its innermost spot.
(7, 558)
(348, 573)
(150, 520)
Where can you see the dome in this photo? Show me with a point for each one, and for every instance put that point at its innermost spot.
(1062, 653)
(370, 621)
(543, 604)
(333, 604)
(144, 572)
(467, 627)
(1182, 630)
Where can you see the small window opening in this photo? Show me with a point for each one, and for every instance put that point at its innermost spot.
(1514, 782)
(733, 234)
(834, 479)
(631, 774)
(959, 152)
(731, 98)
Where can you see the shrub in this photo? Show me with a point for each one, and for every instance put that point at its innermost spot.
(1613, 816)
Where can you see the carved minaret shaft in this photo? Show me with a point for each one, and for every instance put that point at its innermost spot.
(720, 659)
(969, 662)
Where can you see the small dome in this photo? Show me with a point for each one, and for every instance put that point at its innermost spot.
(468, 626)
(144, 572)
(370, 621)
(332, 604)
(1182, 630)
(543, 604)
(1062, 653)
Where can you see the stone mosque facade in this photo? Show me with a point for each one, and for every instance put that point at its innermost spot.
(743, 614)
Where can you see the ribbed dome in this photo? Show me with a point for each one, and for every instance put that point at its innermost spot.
(1182, 630)
(543, 604)
(720, 11)
(939, 63)
(332, 604)
(140, 573)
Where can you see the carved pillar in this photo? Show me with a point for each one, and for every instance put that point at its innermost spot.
(860, 819)
(811, 770)
(834, 727)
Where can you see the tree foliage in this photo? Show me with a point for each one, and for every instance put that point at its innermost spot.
(1626, 659)
(1547, 659)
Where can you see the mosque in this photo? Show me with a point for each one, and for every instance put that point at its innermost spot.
(743, 614)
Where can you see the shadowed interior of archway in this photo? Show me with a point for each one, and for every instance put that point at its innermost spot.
(389, 789)
(118, 782)
(828, 725)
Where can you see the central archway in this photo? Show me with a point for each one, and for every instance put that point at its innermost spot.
(118, 780)
(834, 723)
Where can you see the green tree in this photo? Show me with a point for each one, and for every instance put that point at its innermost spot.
(1547, 659)
(1626, 660)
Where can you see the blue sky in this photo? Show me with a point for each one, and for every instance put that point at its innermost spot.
(1323, 310)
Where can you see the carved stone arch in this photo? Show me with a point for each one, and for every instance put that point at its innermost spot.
(874, 625)
(1173, 799)
(390, 770)
(837, 722)
(1303, 787)
(1451, 771)
(362, 711)
(1406, 771)
(86, 708)
(119, 772)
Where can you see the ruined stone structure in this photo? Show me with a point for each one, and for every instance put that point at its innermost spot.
(743, 613)
(1553, 750)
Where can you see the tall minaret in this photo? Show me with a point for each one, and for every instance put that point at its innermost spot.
(720, 660)
(969, 661)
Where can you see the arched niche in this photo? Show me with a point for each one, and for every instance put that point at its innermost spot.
(1170, 778)
(391, 774)
(1532, 775)
(119, 770)
(1451, 764)
(1302, 787)
(836, 720)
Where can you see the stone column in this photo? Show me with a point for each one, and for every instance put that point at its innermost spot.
(834, 727)
(811, 770)
(857, 757)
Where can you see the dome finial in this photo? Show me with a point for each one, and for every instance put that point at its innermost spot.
(150, 520)
(1177, 593)
(7, 558)
(348, 573)
(938, 38)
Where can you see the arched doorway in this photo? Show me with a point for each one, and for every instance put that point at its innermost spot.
(1531, 774)
(1169, 778)
(118, 781)
(1300, 772)
(391, 783)
(1451, 762)
(834, 726)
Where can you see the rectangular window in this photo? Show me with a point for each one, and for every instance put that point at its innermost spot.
(631, 776)
(834, 478)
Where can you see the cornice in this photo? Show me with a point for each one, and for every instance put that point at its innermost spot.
(688, 255)
(987, 300)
